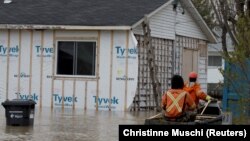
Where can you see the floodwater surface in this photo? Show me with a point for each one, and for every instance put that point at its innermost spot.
(71, 125)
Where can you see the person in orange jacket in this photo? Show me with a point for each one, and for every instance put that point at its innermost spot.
(176, 102)
(194, 89)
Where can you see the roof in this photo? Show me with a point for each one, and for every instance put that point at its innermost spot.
(77, 12)
(86, 14)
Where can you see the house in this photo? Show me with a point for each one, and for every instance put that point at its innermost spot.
(90, 54)
(216, 63)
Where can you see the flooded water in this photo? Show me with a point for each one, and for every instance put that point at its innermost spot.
(69, 125)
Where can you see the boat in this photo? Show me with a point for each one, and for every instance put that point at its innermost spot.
(209, 114)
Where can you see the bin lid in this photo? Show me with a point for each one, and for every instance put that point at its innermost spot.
(27, 102)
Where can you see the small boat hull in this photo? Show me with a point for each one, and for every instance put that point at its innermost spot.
(200, 120)
(211, 115)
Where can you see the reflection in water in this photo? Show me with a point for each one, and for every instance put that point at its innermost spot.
(69, 125)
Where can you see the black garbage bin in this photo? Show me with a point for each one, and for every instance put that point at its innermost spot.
(19, 112)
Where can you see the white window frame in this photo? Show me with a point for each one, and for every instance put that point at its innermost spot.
(214, 66)
(74, 76)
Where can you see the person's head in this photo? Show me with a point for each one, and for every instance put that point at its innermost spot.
(193, 76)
(177, 82)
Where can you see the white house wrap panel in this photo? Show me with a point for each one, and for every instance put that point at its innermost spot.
(13, 40)
(36, 66)
(46, 52)
(80, 94)
(57, 93)
(32, 60)
(24, 64)
(105, 65)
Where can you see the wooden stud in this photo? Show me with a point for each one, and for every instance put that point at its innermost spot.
(8, 66)
(111, 67)
(19, 62)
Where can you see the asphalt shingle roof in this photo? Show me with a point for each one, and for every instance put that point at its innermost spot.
(77, 12)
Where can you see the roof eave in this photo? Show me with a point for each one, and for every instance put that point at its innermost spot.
(209, 34)
(64, 27)
(152, 13)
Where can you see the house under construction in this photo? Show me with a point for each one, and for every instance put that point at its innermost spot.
(94, 54)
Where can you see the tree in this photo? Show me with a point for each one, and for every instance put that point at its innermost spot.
(205, 9)
(153, 68)
(233, 17)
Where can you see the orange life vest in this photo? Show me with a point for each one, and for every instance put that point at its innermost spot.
(175, 101)
(195, 92)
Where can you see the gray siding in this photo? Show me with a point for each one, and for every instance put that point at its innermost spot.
(166, 22)
(187, 26)
(171, 32)
(163, 24)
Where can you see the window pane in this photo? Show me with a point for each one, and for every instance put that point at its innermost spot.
(65, 58)
(214, 61)
(86, 52)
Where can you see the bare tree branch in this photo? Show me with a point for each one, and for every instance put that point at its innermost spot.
(216, 12)
(225, 12)
(153, 68)
(224, 41)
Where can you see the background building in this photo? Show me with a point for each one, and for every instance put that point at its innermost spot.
(216, 63)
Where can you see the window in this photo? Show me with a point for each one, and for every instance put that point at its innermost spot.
(214, 61)
(76, 58)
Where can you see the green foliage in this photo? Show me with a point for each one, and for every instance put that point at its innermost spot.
(237, 75)
(243, 117)
(242, 50)
(239, 79)
(243, 28)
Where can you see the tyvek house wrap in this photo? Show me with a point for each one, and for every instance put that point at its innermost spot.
(28, 64)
